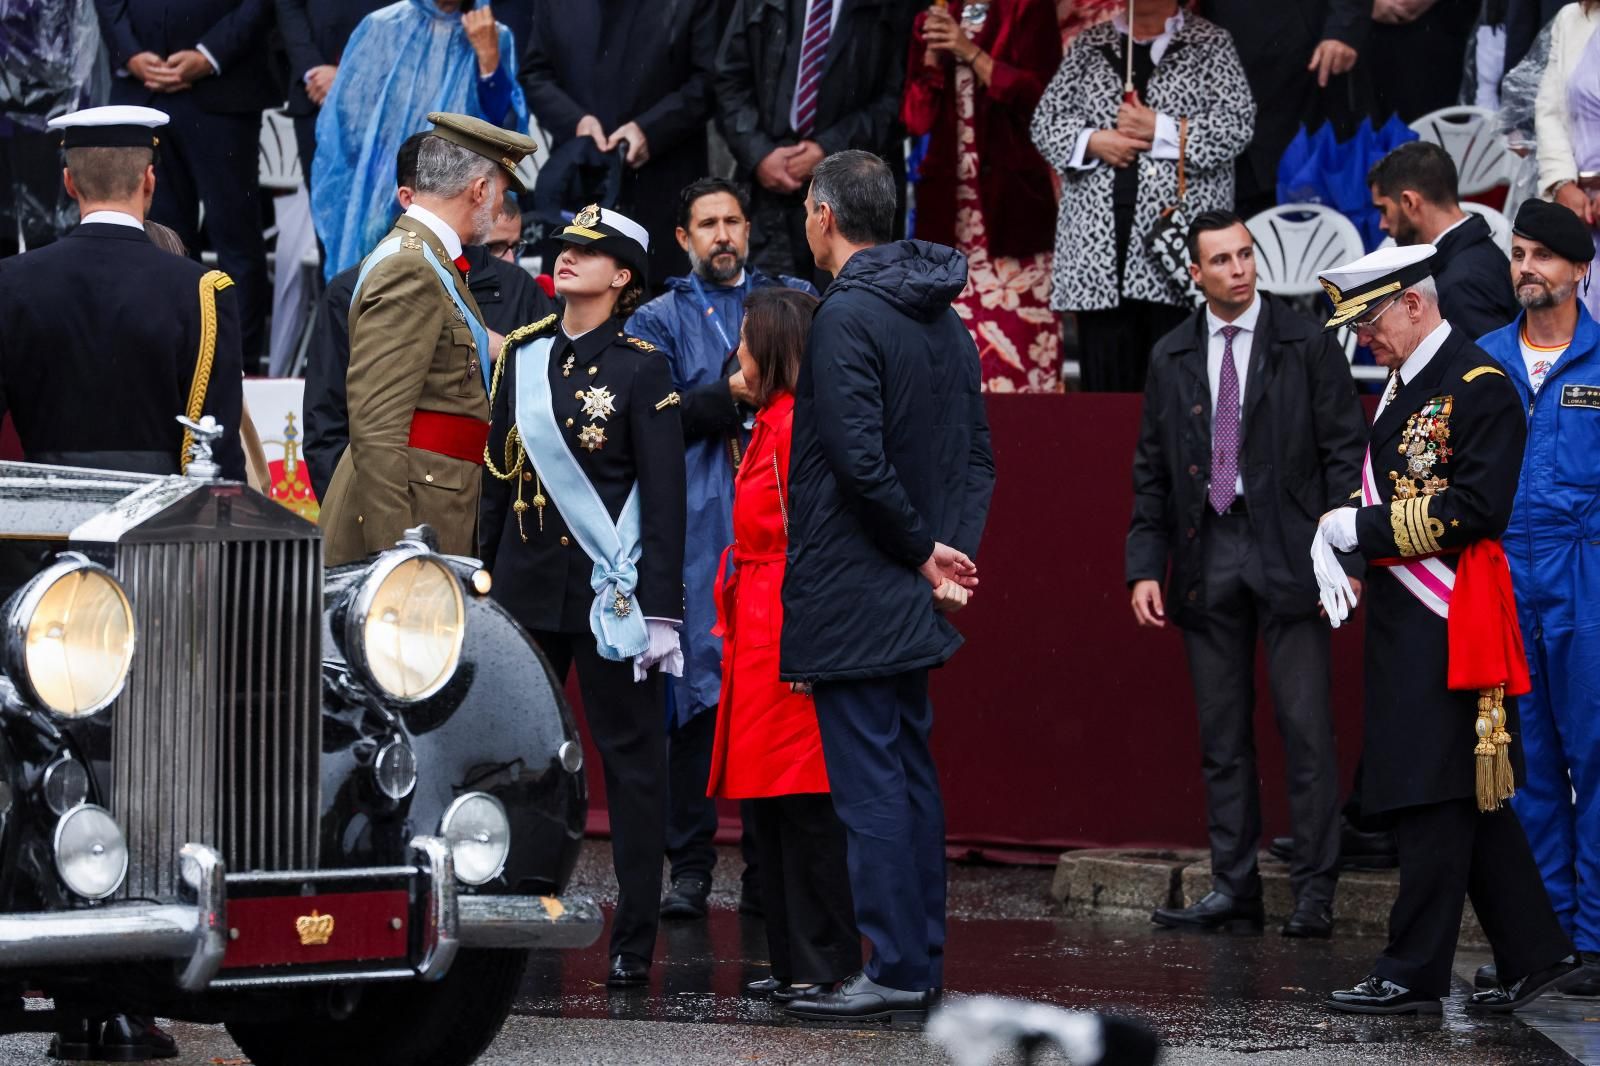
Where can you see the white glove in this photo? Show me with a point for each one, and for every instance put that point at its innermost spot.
(1333, 584)
(664, 650)
(1338, 528)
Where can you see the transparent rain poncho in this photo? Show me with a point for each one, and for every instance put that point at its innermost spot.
(402, 62)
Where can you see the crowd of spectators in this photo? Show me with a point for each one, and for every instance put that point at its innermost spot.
(1006, 109)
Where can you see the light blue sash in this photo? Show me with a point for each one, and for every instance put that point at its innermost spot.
(614, 617)
(479, 332)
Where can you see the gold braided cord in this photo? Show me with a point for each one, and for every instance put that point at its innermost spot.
(1397, 526)
(514, 452)
(211, 283)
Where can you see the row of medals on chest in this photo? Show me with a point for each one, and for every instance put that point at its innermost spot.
(1425, 443)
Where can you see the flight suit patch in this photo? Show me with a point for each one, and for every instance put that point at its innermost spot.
(1580, 396)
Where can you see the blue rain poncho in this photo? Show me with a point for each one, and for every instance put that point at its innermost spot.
(402, 62)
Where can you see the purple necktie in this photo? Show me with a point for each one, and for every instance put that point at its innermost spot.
(1225, 429)
(813, 50)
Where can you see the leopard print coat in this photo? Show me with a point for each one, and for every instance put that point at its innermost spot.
(1199, 78)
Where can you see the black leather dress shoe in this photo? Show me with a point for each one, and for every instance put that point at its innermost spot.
(1486, 977)
(627, 971)
(1310, 921)
(1586, 986)
(687, 899)
(1378, 996)
(1501, 998)
(860, 999)
(118, 1038)
(1217, 911)
(791, 994)
(763, 988)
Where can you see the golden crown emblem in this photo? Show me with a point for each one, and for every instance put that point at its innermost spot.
(588, 218)
(314, 928)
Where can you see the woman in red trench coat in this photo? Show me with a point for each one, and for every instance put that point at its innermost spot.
(768, 749)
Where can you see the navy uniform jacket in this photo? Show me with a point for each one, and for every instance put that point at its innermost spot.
(1419, 735)
(506, 294)
(99, 336)
(544, 581)
(235, 32)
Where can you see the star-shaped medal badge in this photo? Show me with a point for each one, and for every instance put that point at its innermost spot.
(598, 402)
(592, 437)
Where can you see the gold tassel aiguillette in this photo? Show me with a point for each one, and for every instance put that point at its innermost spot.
(1495, 781)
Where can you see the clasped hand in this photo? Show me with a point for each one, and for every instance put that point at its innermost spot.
(638, 145)
(952, 576)
(170, 75)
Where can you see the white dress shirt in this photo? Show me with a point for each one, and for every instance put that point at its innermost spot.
(1216, 343)
(441, 229)
(1164, 145)
(113, 218)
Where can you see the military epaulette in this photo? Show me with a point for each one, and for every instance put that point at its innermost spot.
(1478, 372)
(642, 345)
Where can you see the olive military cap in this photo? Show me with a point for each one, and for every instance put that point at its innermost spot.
(506, 147)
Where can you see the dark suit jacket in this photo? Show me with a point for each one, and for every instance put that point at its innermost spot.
(1474, 279)
(630, 61)
(315, 33)
(1275, 42)
(859, 96)
(234, 31)
(507, 296)
(1300, 457)
(1418, 738)
(99, 337)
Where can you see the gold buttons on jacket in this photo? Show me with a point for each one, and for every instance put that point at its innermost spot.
(578, 395)
(569, 423)
(593, 370)
(565, 542)
(527, 475)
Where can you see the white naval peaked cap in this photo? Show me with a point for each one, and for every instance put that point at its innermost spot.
(114, 126)
(625, 226)
(1356, 286)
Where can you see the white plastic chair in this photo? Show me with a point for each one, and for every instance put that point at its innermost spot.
(279, 155)
(1472, 137)
(1295, 242)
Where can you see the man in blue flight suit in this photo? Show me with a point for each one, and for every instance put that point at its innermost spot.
(1552, 354)
(696, 325)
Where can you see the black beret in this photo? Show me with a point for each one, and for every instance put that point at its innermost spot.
(1555, 227)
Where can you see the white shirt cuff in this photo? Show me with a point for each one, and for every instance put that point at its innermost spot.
(216, 68)
(1339, 529)
(1077, 162)
(1165, 143)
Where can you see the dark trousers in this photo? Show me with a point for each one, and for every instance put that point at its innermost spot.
(213, 160)
(1222, 655)
(624, 718)
(691, 814)
(1450, 852)
(886, 792)
(805, 888)
(1114, 345)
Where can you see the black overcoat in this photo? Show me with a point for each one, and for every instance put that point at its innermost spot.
(1474, 279)
(1300, 457)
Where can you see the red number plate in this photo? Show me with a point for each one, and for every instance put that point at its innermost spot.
(345, 927)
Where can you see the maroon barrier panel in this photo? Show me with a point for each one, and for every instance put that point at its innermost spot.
(1061, 723)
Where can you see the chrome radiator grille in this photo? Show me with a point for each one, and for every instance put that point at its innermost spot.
(218, 735)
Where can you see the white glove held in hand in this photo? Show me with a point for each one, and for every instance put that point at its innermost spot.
(1338, 528)
(1333, 584)
(664, 650)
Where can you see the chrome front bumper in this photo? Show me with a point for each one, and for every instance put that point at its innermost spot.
(193, 931)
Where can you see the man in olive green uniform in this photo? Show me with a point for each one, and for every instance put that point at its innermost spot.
(420, 354)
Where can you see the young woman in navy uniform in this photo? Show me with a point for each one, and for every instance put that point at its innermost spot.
(582, 528)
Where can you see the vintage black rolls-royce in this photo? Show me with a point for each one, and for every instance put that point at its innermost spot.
(332, 809)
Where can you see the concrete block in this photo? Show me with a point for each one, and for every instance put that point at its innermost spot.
(1113, 883)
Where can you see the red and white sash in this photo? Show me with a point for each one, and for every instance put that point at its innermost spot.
(1429, 580)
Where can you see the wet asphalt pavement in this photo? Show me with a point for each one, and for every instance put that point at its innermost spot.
(1213, 999)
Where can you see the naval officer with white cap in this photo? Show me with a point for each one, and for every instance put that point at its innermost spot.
(1439, 760)
(104, 337)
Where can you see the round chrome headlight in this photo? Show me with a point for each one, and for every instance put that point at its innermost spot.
(395, 769)
(91, 855)
(406, 624)
(479, 835)
(66, 785)
(69, 637)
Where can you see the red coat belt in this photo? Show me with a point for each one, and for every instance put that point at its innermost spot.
(457, 436)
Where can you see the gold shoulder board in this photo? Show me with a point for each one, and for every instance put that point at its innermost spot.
(642, 345)
(1478, 372)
